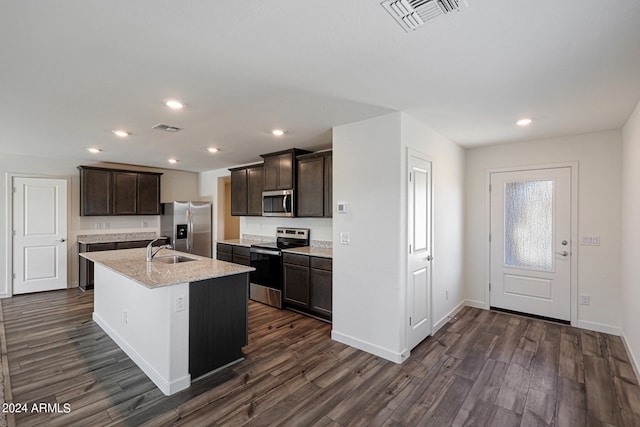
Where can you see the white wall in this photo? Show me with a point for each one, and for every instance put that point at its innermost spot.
(369, 171)
(631, 236)
(175, 185)
(448, 171)
(599, 200)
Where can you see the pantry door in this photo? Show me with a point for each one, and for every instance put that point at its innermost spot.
(39, 234)
(531, 241)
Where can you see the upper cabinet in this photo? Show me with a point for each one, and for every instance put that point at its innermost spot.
(314, 184)
(105, 192)
(246, 190)
(279, 169)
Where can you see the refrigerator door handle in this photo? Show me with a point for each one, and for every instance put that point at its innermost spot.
(189, 230)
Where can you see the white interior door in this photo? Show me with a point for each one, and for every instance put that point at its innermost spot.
(531, 242)
(419, 258)
(39, 234)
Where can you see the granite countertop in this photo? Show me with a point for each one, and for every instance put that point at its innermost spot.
(117, 237)
(245, 241)
(132, 264)
(312, 251)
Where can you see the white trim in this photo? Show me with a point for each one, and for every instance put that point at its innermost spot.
(165, 386)
(634, 359)
(369, 348)
(599, 327)
(574, 231)
(475, 304)
(440, 323)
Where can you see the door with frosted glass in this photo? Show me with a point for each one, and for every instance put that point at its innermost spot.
(531, 242)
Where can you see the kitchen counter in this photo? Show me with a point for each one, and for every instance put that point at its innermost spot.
(246, 241)
(177, 322)
(312, 251)
(132, 264)
(117, 237)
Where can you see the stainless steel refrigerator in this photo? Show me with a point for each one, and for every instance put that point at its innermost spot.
(188, 225)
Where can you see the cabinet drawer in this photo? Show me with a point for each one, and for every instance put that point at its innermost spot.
(295, 259)
(241, 251)
(322, 263)
(223, 247)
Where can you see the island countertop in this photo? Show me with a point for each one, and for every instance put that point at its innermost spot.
(132, 264)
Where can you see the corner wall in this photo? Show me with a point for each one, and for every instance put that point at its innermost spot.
(599, 200)
(631, 236)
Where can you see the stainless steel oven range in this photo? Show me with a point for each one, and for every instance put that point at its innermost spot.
(266, 281)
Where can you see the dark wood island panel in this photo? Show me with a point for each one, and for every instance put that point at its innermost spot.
(218, 322)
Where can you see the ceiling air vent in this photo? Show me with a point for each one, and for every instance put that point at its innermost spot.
(166, 128)
(411, 14)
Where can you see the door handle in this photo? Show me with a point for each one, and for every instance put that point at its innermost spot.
(284, 204)
(62, 240)
(563, 253)
(428, 258)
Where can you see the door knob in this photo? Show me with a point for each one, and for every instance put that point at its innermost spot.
(563, 253)
(62, 240)
(564, 243)
(429, 258)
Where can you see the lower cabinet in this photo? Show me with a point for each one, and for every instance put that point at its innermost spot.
(85, 274)
(308, 284)
(233, 253)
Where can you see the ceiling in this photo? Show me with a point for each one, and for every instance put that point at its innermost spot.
(72, 71)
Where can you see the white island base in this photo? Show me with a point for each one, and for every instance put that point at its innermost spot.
(150, 325)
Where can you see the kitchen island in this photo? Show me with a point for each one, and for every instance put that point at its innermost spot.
(177, 317)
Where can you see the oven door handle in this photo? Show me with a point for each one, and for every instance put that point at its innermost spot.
(264, 252)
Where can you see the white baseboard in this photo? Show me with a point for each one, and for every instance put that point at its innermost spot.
(632, 356)
(5, 295)
(475, 304)
(440, 323)
(598, 327)
(167, 387)
(369, 348)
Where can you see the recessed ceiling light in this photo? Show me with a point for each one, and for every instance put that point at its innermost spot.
(524, 122)
(93, 150)
(176, 105)
(120, 133)
(173, 161)
(278, 132)
(212, 150)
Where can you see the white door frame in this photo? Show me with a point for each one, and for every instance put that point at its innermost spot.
(9, 177)
(574, 229)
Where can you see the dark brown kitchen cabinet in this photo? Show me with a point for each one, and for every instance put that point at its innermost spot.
(233, 253)
(295, 275)
(308, 284)
(106, 192)
(96, 191)
(321, 284)
(279, 170)
(246, 190)
(86, 266)
(224, 252)
(125, 188)
(149, 194)
(314, 184)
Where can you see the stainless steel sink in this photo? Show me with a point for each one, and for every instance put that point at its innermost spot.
(173, 259)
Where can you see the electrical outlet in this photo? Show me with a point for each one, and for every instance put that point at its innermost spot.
(446, 294)
(107, 225)
(98, 226)
(180, 303)
(144, 224)
(345, 238)
(125, 317)
(585, 300)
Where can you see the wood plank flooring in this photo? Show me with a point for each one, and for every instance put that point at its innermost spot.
(482, 369)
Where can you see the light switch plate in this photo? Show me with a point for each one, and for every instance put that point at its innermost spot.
(345, 237)
(343, 207)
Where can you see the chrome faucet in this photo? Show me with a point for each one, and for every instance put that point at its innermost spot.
(151, 253)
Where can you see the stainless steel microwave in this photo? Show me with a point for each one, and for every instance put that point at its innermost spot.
(277, 203)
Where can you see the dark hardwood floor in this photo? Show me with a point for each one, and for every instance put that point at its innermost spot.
(482, 369)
